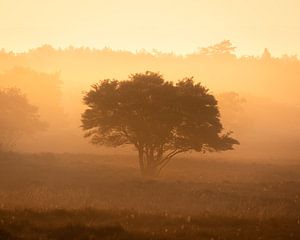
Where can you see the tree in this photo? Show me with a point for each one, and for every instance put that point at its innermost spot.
(232, 108)
(159, 118)
(223, 48)
(266, 55)
(33, 85)
(17, 118)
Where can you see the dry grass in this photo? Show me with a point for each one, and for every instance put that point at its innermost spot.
(87, 224)
(192, 200)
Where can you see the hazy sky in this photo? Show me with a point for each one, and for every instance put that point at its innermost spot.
(180, 26)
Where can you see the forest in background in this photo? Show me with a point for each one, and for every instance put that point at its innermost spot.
(258, 95)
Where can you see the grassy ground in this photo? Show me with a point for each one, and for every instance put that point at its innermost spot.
(47, 196)
(96, 224)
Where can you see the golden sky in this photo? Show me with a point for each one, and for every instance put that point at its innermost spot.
(179, 26)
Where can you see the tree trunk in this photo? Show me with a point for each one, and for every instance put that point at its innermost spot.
(141, 161)
(151, 160)
(146, 162)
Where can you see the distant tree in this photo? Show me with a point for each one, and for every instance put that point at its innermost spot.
(223, 48)
(17, 118)
(33, 85)
(266, 55)
(159, 118)
(232, 108)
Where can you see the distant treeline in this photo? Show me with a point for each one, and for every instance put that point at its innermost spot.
(216, 66)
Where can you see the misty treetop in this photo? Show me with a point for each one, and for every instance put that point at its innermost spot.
(159, 118)
(18, 118)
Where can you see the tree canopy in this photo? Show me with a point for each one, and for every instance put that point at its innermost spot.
(18, 117)
(160, 118)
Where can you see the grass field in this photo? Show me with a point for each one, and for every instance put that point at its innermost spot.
(66, 196)
(110, 224)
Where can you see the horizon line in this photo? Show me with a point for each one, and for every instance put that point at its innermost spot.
(153, 51)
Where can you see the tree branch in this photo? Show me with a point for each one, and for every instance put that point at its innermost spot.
(161, 164)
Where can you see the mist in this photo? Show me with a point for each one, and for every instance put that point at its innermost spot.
(149, 120)
(257, 95)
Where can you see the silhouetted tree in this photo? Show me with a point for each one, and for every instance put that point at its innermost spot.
(17, 118)
(159, 118)
(266, 55)
(223, 48)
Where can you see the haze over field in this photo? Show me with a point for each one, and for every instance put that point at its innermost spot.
(162, 120)
(258, 96)
(53, 51)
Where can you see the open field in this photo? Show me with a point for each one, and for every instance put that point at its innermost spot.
(96, 224)
(66, 196)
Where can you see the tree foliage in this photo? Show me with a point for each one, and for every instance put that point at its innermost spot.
(17, 118)
(159, 118)
(223, 48)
